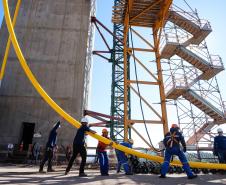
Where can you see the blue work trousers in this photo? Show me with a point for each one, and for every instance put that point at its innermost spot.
(175, 151)
(103, 161)
(221, 156)
(123, 161)
(47, 157)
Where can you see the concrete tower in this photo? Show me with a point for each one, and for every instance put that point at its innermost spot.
(56, 39)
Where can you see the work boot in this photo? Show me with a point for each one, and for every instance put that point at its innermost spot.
(192, 177)
(162, 176)
(82, 175)
(104, 174)
(222, 172)
(41, 170)
(66, 172)
(50, 170)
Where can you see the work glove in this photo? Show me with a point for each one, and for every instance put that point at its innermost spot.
(184, 149)
(111, 143)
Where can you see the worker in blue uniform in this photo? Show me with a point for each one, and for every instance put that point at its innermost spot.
(172, 142)
(123, 159)
(79, 147)
(51, 143)
(219, 148)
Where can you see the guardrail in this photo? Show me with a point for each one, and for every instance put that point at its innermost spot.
(191, 16)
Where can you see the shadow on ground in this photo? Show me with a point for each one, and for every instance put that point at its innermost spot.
(30, 176)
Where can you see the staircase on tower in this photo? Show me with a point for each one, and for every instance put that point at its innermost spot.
(207, 67)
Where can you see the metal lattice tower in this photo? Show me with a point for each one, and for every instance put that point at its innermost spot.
(117, 97)
(127, 15)
(170, 47)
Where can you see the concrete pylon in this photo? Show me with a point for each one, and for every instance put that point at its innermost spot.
(55, 37)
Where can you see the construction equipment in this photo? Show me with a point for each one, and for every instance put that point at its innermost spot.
(70, 119)
(192, 85)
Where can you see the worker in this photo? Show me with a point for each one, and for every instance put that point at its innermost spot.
(50, 148)
(172, 142)
(123, 159)
(79, 147)
(102, 154)
(219, 148)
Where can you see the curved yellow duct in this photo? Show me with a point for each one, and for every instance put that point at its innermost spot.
(69, 118)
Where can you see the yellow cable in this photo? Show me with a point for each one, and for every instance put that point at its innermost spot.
(2, 72)
(70, 119)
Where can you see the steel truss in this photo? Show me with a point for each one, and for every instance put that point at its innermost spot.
(118, 96)
(129, 16)
(130, 20)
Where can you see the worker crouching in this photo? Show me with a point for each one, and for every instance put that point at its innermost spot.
(172, 142)
(123, 159)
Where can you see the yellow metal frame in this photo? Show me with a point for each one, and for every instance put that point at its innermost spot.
(69, 118)
(157, 29)
(125, 53)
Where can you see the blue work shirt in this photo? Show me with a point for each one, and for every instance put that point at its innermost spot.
(121, 155)
(219, 143)
(80, 135)
(53, 136)
(126, 144)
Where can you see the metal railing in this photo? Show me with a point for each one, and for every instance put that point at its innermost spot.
(191, 16)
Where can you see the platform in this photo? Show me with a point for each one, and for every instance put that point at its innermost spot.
(143, 13)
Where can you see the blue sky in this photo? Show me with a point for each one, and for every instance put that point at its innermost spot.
(1, 12)
(214, 11)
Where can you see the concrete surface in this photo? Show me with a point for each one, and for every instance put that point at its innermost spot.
(25, 175)
(54, 37)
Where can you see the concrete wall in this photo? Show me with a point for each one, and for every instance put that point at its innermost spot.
(54, 36)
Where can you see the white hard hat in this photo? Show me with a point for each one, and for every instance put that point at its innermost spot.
(220, 130)
(130, 141)
(84, 120)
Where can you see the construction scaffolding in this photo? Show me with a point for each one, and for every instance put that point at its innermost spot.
(131, 18)
(159, 51)
(163, 7)
(118, 89)
(190, 75)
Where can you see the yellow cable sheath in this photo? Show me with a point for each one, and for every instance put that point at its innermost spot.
(2, 72)
(70, 119)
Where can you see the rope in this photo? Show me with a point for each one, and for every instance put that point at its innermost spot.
(189, 7)
(138, 88)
